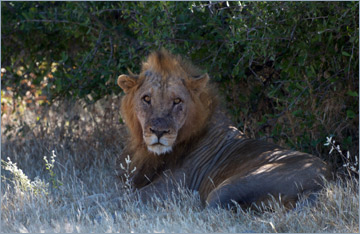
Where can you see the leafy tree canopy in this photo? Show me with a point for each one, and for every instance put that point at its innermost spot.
(288, 70)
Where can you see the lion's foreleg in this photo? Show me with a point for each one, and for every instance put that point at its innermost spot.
(166, 187)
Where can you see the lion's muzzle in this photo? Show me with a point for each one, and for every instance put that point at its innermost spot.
(159, 133)
(159, 136)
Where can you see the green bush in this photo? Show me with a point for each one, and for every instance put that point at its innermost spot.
(288, 70)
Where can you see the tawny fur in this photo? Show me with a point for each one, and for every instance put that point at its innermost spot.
(217, 159)
(164, 63)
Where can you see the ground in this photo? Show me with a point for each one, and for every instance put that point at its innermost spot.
(70, 190)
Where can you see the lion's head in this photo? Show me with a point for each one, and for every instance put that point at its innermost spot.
(166, 104)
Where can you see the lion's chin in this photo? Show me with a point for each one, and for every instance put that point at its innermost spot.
(159, 149)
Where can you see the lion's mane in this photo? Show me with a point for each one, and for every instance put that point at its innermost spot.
(147, 163)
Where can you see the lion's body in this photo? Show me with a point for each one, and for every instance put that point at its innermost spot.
(191, 142)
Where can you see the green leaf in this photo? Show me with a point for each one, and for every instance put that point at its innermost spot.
(352, 93)
(350, 114)
(297, 113)
(345, 53)
(64, 56)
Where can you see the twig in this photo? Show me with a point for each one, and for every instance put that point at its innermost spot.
(253, 72)
(169, 18)
(54, 21)
(111, 51)
(93, 52)
(285, 110)
(291, 36)
(217, 53)
(346, 159)
(106, 10)
(313, 18)
(351, 56)
(240, 59)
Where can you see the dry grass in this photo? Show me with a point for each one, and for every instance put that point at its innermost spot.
(77, 196)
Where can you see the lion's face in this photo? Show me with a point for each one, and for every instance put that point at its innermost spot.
(162, 105)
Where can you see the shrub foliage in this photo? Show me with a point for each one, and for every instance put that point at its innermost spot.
(288, 70)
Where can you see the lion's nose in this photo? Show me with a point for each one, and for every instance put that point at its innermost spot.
(159, 133)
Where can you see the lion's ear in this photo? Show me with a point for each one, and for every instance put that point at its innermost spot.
(127, 82)
(198, 83)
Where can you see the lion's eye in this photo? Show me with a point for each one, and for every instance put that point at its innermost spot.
(177, 101)
(147, 99)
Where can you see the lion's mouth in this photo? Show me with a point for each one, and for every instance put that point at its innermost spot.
(159, 148)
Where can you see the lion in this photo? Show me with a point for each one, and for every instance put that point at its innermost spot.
(179, 134)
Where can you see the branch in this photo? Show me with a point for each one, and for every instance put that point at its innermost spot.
(94, 51)
(111, 51)
(106, 10)
(351, 56)
(53, 21)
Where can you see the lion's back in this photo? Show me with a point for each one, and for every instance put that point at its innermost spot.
(224, 152)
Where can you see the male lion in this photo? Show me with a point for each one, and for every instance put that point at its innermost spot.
(178, 135)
